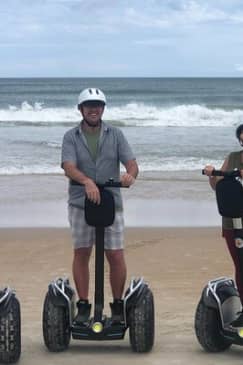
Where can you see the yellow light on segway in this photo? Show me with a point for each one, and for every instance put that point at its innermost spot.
(240, 332)
(97, 327)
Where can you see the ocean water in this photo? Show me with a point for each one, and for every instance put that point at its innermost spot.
(173, 125)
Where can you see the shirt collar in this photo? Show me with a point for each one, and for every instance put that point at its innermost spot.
(104, 128)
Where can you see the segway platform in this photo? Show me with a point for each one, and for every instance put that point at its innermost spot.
(98, 331)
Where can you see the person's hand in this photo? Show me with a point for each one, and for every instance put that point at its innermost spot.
(208, 169)
(92, 191)
(127, 180)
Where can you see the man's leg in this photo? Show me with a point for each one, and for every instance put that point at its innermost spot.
(118, 271)
(81, 278)
(81, 271)
(82, 235)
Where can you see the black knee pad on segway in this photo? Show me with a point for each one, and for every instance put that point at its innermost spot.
(229, 195)
(101, 215)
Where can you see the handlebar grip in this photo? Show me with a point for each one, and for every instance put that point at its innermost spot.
(229, 174)
(215, 173)
(107, 184)
(218, 173)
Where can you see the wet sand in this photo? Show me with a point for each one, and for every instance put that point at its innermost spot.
(180, 199)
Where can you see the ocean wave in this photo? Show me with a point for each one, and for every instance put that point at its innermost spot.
(181, 116)
(132, 114)
(31, 170)
(51, 144)
(163, 165)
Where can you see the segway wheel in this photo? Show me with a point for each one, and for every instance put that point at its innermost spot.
(10, 333)
(56, 328)
(141, 324)
(208, 329)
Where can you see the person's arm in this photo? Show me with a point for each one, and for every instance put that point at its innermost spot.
(69, 164)
(75, 174)
(128, 160)
(129, 177)
(214, 179)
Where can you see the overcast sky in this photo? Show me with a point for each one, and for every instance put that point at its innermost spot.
(121, 38)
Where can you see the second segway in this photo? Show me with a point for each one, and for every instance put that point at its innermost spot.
(217, 324)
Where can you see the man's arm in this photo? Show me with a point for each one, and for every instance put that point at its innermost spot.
(214, 179)
(74, 173)
(132, 170)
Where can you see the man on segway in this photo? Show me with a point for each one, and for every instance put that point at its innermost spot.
(92, 152)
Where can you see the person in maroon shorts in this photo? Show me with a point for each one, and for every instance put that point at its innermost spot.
(233, 161)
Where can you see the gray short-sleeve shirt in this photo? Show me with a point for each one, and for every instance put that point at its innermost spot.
(113, 149)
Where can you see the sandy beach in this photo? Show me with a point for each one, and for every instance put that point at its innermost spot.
(177, 263)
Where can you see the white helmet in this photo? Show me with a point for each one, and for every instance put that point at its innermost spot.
(91, 94)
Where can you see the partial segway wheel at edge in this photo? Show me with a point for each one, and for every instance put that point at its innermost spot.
(56, 326)
(208, 329)
(10, 327)
(141, 324)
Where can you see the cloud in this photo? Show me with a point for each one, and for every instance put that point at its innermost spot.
(73, 20)
(155, 42)
(119, 35)
(239, 67)
(179, 13)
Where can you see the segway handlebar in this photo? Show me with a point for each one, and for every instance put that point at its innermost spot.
(111, 184)
(229, 174)
(108, 184)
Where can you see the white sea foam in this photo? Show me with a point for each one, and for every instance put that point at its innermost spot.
(31, 169)
(168, 164)
(180, 115)
(38, 113)
(132, 114)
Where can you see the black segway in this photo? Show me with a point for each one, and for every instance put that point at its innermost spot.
(10, 332)
(58, 312)
(220, 305)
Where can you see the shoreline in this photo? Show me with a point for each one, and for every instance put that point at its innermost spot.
(155, 201)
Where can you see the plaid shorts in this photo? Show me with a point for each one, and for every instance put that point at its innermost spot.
(84, 235)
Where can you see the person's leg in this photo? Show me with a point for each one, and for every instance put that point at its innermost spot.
(83, 237)
(81, 271)
(118, 271)
(114, 244)
(114, 250)
(228, 234)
